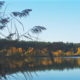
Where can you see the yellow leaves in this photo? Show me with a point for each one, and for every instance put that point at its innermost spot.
(58, 60)
(44, 50)
(69, 53)
(57, 53)
(31, 65)
(50, 62)
(45, 62)
(19, 63)
(68, 59)
(16, 64)
(9, 51)
(36, 52)
(78, 61)
(20, 50)
(14, 50)
(30, 50)
(78, 50)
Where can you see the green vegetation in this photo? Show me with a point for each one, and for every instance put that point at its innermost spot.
(11, 44)
(34, 48)
(19, 55)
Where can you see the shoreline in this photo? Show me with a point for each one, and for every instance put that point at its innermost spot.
(39, 56)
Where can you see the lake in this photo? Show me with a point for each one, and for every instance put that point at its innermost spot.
(28, 68)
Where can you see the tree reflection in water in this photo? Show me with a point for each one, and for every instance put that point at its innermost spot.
(16, 66)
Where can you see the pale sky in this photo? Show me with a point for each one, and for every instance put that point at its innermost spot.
(60, 17)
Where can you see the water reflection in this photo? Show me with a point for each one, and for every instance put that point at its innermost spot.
(9, 67)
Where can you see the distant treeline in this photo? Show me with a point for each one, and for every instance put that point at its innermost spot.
(50, 46)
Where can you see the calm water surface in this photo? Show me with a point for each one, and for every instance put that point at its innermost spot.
(58, 75)
(62, 69)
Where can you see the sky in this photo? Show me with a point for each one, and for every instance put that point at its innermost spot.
(60, 17)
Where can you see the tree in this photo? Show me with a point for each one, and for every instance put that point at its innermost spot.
(13, 19)
(78, 51)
